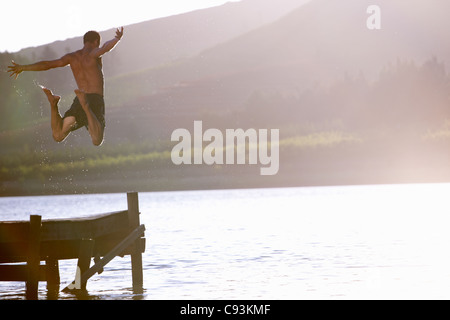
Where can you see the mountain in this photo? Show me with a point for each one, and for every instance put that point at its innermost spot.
(325, 39)
(152, 45)
(334, 35)
(213, 61)
(316, 44)
(161, 41)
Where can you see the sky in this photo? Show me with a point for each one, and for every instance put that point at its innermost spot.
(28, 23)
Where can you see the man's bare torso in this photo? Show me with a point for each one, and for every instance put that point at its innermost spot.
(87, 71)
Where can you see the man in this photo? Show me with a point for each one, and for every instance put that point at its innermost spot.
(88, 108)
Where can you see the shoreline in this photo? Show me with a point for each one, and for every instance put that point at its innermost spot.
(225, 181)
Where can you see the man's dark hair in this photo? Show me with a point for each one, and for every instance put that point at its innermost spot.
(91, 36)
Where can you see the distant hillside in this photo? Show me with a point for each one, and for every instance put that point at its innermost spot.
(329, 38)
(159, 44)
(313, 46)
(316, 45)
(160, 41)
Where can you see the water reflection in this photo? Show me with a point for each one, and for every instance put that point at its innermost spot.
(300, 243)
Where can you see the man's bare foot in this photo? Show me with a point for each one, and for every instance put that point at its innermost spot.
(82, 98)
(50, 96)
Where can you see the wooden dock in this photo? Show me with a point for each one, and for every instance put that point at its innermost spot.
(24, 244)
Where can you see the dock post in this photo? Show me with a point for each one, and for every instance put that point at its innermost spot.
(136, 255)
(84, 259)
(33, 257)
(52, 277)
(84, 262)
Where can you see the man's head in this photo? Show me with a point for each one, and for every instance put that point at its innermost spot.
(92, 37)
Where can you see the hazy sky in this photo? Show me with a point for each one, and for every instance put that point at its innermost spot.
(27, 23)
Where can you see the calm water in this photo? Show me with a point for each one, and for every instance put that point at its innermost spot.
(369, 242)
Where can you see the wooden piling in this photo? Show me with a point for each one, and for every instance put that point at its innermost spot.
(52, 277)
(132, 237)
(84, 259)
(136, 252)
(34, 259)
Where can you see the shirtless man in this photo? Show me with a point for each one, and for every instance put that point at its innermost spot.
(88, 108)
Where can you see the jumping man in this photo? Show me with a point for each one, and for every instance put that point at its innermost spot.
(88, 108)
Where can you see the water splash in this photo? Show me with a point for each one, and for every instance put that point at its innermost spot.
(38, 84)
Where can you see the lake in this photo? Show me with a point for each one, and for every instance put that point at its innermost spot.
(354, 242)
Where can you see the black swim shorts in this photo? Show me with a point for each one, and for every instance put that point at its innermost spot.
(97, 105)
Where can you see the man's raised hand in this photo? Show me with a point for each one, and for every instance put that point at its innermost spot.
(15, 69)
(119, 33)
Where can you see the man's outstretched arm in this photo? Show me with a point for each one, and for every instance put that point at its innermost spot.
(109, 45)
(17, 69)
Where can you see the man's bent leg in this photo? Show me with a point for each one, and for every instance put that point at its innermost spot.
(60, 128)
(95, 128)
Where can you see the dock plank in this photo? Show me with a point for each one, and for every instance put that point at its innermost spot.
(60, 239)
